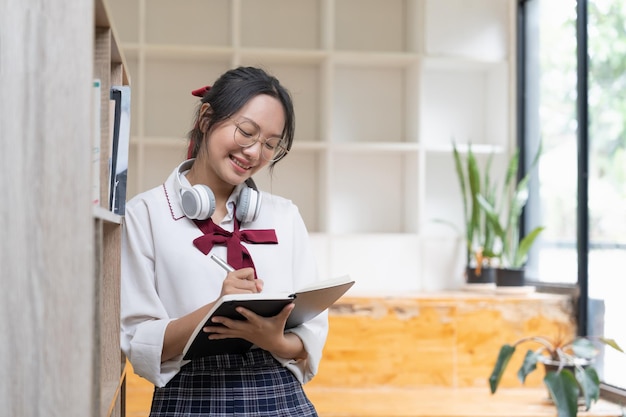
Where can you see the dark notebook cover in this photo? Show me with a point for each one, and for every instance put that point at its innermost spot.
(202, 346)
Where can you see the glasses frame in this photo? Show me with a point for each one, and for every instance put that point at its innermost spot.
(280, 152)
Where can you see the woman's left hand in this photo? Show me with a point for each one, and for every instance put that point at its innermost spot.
(268, 333)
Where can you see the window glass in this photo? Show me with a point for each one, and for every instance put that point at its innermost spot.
(607, 179)
(551, 115)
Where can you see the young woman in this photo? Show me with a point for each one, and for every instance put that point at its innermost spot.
(244, 123)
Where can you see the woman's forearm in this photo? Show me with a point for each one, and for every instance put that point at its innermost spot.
(178, 332)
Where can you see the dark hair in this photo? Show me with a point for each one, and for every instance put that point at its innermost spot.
(231, 91)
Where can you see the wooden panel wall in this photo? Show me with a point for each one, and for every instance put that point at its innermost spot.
(450, 340)
(46, 226)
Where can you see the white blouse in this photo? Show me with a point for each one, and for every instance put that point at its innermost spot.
(164, 276)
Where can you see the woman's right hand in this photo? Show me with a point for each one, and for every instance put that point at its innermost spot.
(241, 281)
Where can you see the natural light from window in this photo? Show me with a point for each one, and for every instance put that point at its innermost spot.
(556, 258)
(607, 177)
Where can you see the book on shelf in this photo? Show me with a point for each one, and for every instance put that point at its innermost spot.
(120, 141)
(309, 303)
(95, 142)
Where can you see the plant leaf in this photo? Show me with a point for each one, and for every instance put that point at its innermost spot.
(489, 193)
(584, 348)
(590, 384)
(563, 389)
(506, 351)
(511, 172)
(529, 365)
(448, 223)
(492, 215)
(525, 245)
(515, 192)
(461, 177)
(473, 180)
(612, 343)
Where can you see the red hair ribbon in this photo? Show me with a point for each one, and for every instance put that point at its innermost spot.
(200, 92)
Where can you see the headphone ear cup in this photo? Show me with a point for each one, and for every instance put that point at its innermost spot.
(198, 202)
(248, 205)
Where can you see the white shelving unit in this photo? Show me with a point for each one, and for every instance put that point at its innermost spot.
(380, 87)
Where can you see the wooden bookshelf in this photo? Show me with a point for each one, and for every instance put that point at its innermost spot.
(110, 363)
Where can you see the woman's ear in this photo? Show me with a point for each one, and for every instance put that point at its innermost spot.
(204, 117)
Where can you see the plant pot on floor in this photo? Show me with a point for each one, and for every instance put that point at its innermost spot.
(509, 277)
(486, 275)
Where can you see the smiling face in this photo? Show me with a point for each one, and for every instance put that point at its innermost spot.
(221, 163)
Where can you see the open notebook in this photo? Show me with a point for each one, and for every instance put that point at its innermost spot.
(309, 302)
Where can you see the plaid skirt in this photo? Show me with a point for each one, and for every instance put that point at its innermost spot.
(249, 384)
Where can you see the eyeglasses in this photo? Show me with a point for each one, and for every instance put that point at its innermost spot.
(248, 133)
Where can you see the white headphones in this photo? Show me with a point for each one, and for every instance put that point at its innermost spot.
(198, 201)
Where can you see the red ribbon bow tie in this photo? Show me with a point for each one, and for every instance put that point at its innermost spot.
(237, 254)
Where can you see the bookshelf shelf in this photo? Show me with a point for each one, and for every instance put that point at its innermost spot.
(100, 213)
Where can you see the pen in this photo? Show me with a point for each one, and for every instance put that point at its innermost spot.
(222, 263)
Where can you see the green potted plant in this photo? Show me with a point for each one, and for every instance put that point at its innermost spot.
(505, 220)
(479, 234)
(569, 372)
